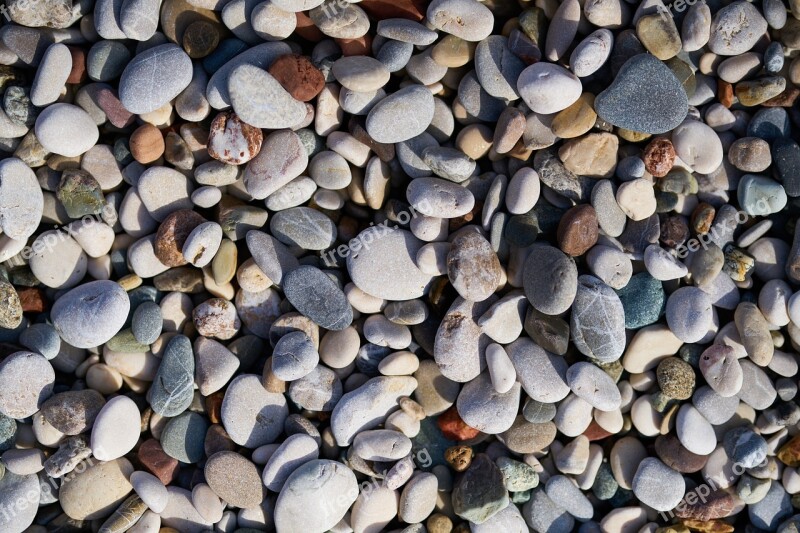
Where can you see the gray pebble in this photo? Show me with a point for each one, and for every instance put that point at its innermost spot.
(316, 296)
(91, 314)
(167, 63)
(147, 323)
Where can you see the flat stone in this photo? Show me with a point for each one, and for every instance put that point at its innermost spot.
(172, 389)
(645, 97)
(657, 485)
(480, 493)
(479, 393)
(252, 416)
(234, 479)
(167, 63)
(598, 320)
(316, 296)
(269, 107)
(54, 120)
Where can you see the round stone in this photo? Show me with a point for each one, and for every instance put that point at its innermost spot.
(657, 485)
(28, 379)
(590, 382)
(550, 280)
(252, 416)
(548, 88)
(56, 119)
(91, 314)
(689, 313)
(259, 100)
(234, 479)
(167, 63)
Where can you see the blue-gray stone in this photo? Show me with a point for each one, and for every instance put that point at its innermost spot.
(183, 437)
(294, 356)
(304, 227)
(786, 162)
(227, 50)
(14, 489)
(173, 387)
(369, 357)
(645, 96)
(643, 300)
(41, 338)
(394, 54)
(770, 124)
(745, 447)
(772, 510)
(542, 514)
(147, 323)
(773, 57)
(317, 296)
(106, 60)
(479, 493)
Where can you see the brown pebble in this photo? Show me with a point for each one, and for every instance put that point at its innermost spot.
(298, 75)
(218, 440)
(234, 479)
(78, 72)
(459, 457)
(718, 504)
(360, 46)
(509, 129)
(172, 234)
(214, 407)
(674, 231)
(233, 141)
(157, 462)
(307, 29)
(725, 93)
(32, 300)
(578, 230)
(789, 454)
(146, 144)
(439, 523)
(702, 218)
(116, 113)
(676, 378)
(659, 156)
(200, 39)
(271, 382)
(404, 9)
(786, 99)
(670, 450)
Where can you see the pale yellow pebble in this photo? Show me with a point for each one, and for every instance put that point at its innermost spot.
(130, 282)
(453, 51)
(225, 290)
(81, 369)
(224, 263)
(251, 278)
(163, 116)
(475, 140)
(103, 379)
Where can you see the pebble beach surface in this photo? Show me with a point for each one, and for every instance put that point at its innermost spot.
(414, 266)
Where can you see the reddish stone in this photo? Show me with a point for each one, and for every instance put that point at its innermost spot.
(32, 300)
(659, 156)
(218, 440)
(384, 9)
(702, 218)
(172, 235)
(229, 131)
(298, 75)
(214, 407)
(306, 28)
(454, 428)
(725, 93)
(717, 504)
(674, 231)
(670, 450)
(578, 230)
(356, 47)
(78, 72)
(594, 432)
(155, 460)
(785, 99)
(116, 113)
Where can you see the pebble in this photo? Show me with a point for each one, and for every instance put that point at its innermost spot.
(316, 296)
(721, 369)
(91, 314)
(97, 490)
(745, 447)
(251, 415)
(735, 29)
(234, 479)
(273, 109)
(657, 485)
(55, 119)
(694, 431)
(645, 96)
(29, 379)
(465, 19)
(171, 393)
(597, 321)
(592, 384)
(689, 313)
(166, 62)
(550, 293)
(150, 489)
(547, 88)
(479, 493)
(116, 429)
(401, 115)
(314, 481)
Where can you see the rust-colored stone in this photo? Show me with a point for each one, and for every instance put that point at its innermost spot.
(306, 28)
(578, 230)
(406, 9)
(595, 432)
(453, 427)
(157, 462)
(32, 300)
(78, 72)
(670, 450)
(147, 144)
(659, 156)
(725, 93)
(298, 75)
(703, 217)
(674, 231)
(718, 504)
(785, 99)
(116, 113)
(360, 46)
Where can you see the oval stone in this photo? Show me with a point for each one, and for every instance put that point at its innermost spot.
(168, 64)
(91, 314)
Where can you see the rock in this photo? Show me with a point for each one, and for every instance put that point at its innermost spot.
(735, 29)
(479, 493)
(598, 320)
(234, 479)
(745, 447)
(368, 405)
(548, 88)
(329, 480)
(233, 141)
(399, 280)
(91, 314)
(774, 508)
(57, 118)
(116, 429)
(657, 485)
(172, 389)
(13, 489)
(555, 292)
(97, 490)
(274, 108)
(29, 380)
(466, 20)
(381, 445)
(298, 75)
(645, 97)
(183, 437)
(542, 374)
(401, 116)
(21, 199)
(694, 431)
(592, 384)
(689, 313)
(167, 63)
(316, 296)
(252, 416)
(566, 494)
(440, 198)
(497, 67)
(473, 267)
(476, 395)
(542, 514)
